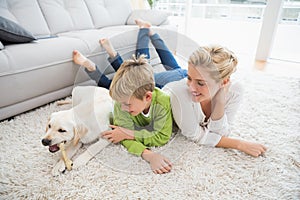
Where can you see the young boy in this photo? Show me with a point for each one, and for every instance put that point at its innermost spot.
(142, 113)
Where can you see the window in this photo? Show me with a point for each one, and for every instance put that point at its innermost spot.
(236, 24)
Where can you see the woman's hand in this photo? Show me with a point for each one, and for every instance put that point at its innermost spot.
(252, 149)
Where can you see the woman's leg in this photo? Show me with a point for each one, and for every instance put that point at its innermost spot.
(166, 57)
(174, 71)
(142, 46)
(91, 69)
(162, 78)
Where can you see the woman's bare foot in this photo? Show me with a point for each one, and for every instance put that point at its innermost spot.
(80, 59)
(108, 47)
(142, 24)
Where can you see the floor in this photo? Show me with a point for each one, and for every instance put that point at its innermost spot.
(283, 68)
(272, 66)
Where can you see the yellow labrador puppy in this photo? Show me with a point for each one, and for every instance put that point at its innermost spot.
(82, 124)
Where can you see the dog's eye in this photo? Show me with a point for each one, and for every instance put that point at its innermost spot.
(61, 130)
(49, 126)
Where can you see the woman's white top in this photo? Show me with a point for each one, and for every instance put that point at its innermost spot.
(190, 118)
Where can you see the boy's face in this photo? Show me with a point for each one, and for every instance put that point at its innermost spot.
(135, 106)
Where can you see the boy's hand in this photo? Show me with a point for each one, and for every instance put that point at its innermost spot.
(158, 163)
(118, 134)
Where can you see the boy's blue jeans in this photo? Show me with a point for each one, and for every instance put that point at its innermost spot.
(173, 71)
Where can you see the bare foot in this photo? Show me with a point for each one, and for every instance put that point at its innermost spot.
(80, 59)
(142, 24)
(108, 47)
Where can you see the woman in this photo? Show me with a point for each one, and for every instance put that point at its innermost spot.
(205, 104)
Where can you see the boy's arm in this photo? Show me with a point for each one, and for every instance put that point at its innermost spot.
(162, 127)
(124, 120)
(158, 163)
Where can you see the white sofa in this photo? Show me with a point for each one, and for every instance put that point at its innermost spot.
(36, 73)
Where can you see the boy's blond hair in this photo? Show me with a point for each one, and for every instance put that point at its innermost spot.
(134, 78)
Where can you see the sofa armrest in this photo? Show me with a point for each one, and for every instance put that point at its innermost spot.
(155, 17)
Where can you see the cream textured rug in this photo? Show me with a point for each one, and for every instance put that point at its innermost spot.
(270, 114)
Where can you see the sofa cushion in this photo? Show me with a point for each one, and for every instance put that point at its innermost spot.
(27, 14)
(63, 16)
(109, 12)
(42, 53)
(156, 17)
(44, 66)
(12, 33)
(91, 37)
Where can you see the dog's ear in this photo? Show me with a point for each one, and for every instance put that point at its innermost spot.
(47, 125)
(49, 118)
(79, 131)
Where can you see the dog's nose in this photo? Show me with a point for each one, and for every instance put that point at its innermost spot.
(46, 142)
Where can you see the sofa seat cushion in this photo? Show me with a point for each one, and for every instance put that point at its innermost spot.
(155, 17)
(123, 39)
(91, 37)
(40, 53)
(39, 67)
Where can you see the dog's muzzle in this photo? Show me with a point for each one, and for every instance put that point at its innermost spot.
(52, 148)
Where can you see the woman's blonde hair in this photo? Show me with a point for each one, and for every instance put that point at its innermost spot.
(219, 61)
(133, 78)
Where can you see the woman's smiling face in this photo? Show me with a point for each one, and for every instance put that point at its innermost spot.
(201, 85)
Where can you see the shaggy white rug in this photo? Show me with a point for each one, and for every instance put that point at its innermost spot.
(270, 114)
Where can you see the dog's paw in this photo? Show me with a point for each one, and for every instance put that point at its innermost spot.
(59, 168)
(81, 160)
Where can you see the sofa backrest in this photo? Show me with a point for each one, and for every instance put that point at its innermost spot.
(109, 12)
(66, 15)
(49, 17)
(27, 13)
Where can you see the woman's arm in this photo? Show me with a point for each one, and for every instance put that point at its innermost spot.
(250, 148)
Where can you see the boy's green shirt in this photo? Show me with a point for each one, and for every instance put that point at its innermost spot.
(153, 130)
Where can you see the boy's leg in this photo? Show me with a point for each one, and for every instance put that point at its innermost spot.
(114, 57)
(91, 69)
(101, 79)
(80, 59)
